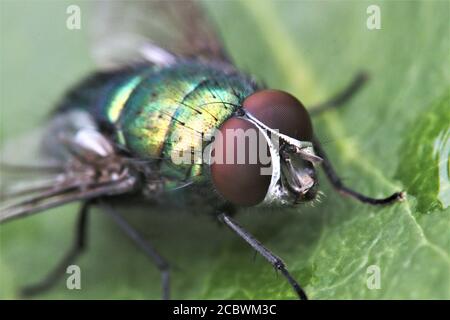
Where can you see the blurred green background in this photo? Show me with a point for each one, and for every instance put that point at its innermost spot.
(393, 136)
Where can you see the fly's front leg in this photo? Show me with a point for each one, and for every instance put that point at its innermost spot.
(148, 249)
(336, 182)
(79, 244)
(344, 96)
(274, 260)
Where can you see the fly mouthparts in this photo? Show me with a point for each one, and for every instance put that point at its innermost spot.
(298, 182)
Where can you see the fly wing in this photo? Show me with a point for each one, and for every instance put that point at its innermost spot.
(58, 190)
(57, 165)
(158, 31)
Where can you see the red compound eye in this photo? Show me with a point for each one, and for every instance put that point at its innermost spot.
(240, 183)
(243, 184)
(282, 111)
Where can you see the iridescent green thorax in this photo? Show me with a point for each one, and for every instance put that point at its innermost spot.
(157, 113)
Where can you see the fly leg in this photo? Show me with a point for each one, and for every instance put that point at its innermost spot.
(78, 246)
(345, 95)
(148, 249)
(337, 184)
(274, 260)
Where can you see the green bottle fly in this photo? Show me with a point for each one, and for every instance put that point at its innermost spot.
(168, 85)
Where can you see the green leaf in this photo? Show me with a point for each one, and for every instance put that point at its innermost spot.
(394, 135)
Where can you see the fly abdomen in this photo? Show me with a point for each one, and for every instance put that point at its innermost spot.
(156, 113)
